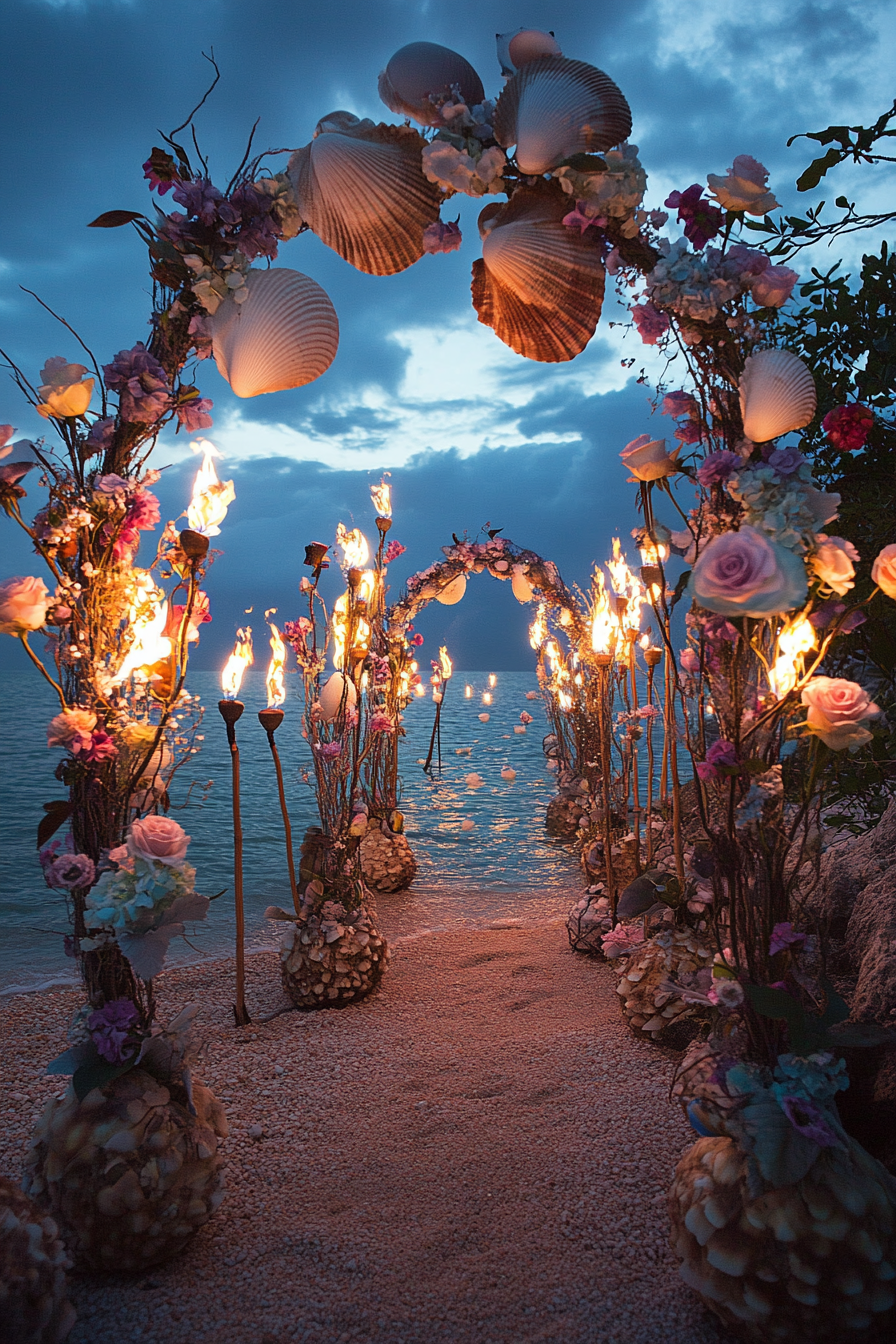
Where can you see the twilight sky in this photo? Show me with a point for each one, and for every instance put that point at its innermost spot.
(470, 431)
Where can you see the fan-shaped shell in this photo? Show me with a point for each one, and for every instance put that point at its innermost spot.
(285, 334)
(553, 108)
(777, 394)
(526, 44)
(339, 690)
(453, 592)
(422, 71)
(361, 189)
(539, 284)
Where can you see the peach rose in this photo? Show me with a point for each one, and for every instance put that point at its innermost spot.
(63, 392)
(71, 726)
(883, 571)
(833, 563)
(647, 458)
(158, 839)
(837, 709)
(23, 605)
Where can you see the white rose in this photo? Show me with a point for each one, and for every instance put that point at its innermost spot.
(833, 563)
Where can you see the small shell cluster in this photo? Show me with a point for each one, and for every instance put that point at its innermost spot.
(588, 921)
(809, 1263)
(387, 860)
(648, 1008)
(328, 965)
(128, 1173)
(34, 1306)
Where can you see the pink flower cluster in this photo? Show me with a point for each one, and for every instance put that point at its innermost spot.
(722, 756)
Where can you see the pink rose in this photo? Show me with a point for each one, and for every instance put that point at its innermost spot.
(23, 605)
(746, 574)
(837, 709)
(848, 427)
(72, 728)
(773, 286)
(883, 571)
(158, 839)
(833, 563)
(647, 458)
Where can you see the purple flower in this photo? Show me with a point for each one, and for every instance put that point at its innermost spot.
(381, 723)
(651, 323)
(690, 432)
(747, 259)
(200, 199)
(784, 935)
(202, 337)
(439, 237)
(97, 749)
(194, 414)
(109, 1027)
(721, 755)
(681, 403)
(785, 460)
(159, 171)
(717, 468)
(690, 660)
(719, 630)
(577, 219)
(141, 384)
(70, 871)
(702, 220)
(100, 436)
(809, 1119)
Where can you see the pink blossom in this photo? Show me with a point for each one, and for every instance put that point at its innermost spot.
(702, 220)
(158, 840)
(721, 756)
(690, 660)
(417, 640)
(393, 551)
(23, 605)
(748, 259)
(381, 723)
(328, 751)
(651, 323)
(847, 427)
(525, 718)
(773, 286)
(100, 748)
(439, 237)
(70, 871)
(143, 511)
(837, 708)
(70, 727)
(577, 219)
(194, 415)
(681, 403)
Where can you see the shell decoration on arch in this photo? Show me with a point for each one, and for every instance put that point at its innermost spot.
(526, 44)
(423, 74)
(360, 187)
(777, 395)
(554, 108)
(283, 335)
(539, 284)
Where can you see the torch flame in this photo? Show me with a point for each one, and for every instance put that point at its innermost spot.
(147, 618)
(382, 499)
(626, 586)
(603, 625)
(355, 550)
(211, 497)
(241, 658)
(446, 665)
(275, 683)
(538, 630)
(794, 640)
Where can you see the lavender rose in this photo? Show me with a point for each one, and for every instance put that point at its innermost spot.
(746, 574)
(159, 840)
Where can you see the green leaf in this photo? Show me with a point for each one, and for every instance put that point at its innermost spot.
(57, 812)
(637, 898)
(113, 219)
(89, 1076)
(817, 170)
(679, 588)
(836, 1009)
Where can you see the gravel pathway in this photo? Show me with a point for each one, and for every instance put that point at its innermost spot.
(476, 1155)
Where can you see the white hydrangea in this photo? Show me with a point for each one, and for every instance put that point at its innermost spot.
(455, 170)
(614, 194)
(213, 285)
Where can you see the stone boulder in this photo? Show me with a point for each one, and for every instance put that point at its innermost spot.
(871, 948)
(847, 868)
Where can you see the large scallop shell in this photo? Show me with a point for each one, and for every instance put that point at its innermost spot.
(553, 108)
(539, 285)
(285, 334)
(777, 394)
(422, 69)
(361, 189)
(525, 44)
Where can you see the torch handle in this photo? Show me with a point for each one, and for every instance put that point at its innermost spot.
(286, 826)
(240, 1012)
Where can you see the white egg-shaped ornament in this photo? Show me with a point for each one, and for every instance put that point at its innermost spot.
(283, 335)
(777, 395)
(452, 593)
(519, 583)
(554, 108)
(526, 44)
(422, 75)
(361, 189)
(338, 693)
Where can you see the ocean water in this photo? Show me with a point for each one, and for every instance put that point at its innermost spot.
(506, 866)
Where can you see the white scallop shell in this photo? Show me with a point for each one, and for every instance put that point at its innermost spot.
(453, 592)
(285, 334)
(424, 69)
(331, 697)
(526, 44)
(777, 394)
(522, 588)
(553, 108)
(539, 284)
(361, 189)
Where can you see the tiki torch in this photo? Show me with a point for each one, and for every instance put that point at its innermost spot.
(442, 674)
(231, 710)
(270, 720)
(603, 641)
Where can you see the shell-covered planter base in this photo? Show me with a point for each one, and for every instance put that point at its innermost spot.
(563, 816)
(34, 1306)
(810, 1263)
(326, 964)
(128, 1173)
(587, 922)
(650, 1010)
(387, 860)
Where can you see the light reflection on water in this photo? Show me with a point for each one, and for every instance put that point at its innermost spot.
(506, 866)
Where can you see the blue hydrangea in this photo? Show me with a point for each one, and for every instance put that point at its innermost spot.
(123, 901)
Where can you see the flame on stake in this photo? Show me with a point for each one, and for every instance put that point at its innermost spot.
(355, 550)
(211, 497)
(603, 624)
(626, 586)
(795, 640)
(382, 499)
(538, 630)
(147, 617)
(241, 658)
(275, 683)
(445, 664)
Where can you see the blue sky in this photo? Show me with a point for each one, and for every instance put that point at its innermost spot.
(470, 431)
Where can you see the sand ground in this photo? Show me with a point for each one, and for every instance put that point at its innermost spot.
(478, 1154)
